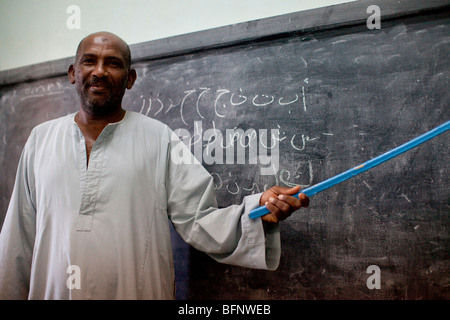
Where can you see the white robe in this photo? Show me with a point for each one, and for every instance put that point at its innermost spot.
(110, 221)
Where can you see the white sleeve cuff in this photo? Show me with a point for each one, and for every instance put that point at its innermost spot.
(257, 249)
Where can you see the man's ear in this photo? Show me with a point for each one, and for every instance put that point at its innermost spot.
(71, 74)
(132, 76)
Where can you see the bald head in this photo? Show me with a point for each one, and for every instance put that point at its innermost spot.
(102, 73)
(106, 37)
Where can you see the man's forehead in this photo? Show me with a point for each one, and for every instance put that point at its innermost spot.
(102, 43)
(102, 40)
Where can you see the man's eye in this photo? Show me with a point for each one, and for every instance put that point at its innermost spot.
(88, 61)
(115, 64)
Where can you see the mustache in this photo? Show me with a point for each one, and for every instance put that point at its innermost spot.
(97, 82)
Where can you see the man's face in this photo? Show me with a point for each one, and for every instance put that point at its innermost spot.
(101, 74)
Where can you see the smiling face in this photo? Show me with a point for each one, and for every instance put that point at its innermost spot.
(102, 73)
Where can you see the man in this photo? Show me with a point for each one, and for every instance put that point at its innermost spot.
(94, 192)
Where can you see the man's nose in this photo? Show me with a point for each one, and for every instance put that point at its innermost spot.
(99, 70)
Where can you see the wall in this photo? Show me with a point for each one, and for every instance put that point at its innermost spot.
(36, 31)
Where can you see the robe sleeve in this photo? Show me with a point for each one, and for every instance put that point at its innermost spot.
(228, 235)
(19, 230)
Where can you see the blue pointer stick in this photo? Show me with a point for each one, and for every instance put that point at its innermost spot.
(258, 212)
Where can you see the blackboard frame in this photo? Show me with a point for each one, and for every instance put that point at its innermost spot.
(321, 19)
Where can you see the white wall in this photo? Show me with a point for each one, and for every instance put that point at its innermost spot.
(33, 31)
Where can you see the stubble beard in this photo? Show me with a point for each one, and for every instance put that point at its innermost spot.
(99, 104)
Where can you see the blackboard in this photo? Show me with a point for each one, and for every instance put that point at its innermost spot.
(330, 93)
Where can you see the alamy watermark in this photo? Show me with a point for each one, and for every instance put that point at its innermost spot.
(234, 146)
(74, 279)
(374, 20)
(74, 19)
(374, 281)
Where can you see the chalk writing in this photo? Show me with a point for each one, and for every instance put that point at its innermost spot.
(200, 103)
(223, 101)
(285, 177)
(41, 90)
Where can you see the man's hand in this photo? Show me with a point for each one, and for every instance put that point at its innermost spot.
(281, 203)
